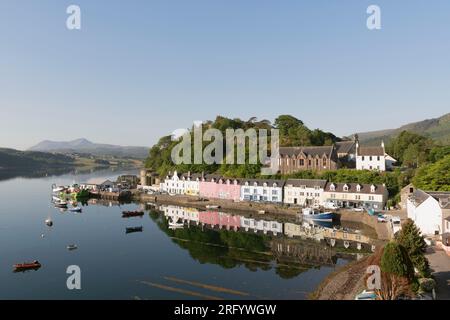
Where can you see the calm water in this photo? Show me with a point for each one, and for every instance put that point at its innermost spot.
(146, 265)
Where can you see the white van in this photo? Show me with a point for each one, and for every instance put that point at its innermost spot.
(330, 205)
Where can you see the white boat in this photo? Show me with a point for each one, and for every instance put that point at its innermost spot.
(72, 247)
(309, 213)
(75, 209)
(61, 204)
(49, 222)
(212, 207)
(56, 189)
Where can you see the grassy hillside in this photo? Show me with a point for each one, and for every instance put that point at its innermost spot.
(14, 159)
(438, 129)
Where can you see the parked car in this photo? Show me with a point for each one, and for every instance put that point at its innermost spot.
(359, 209)
(396, 224)
(330, 206)
(381, 218)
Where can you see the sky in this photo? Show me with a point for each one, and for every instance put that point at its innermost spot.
(140, 69)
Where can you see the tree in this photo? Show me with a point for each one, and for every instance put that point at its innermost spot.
(410, 149)
(395, 260)
(396, 271)
(412, 240)
(434, 176)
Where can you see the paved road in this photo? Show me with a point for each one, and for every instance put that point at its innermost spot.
(440, 264)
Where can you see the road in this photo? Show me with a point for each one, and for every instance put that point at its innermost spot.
(440, 264)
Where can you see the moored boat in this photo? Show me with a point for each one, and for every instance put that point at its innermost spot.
(75, 209)
(128, 214)
(61, 204)
(309, 213)
(58, 189)
(49, 222)
(71, 247)
(134, 229)
(27, 266)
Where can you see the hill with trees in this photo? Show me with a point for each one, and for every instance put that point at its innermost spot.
(31, 160)
(293, 132)
(437, 129)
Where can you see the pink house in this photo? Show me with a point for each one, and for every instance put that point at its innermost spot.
(229, 221)
(216, 187)
(209, 217)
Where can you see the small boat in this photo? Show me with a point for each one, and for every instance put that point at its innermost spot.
(71, 247)
(366, 295)
(27, 266)
(49, 222)
(56, 189)
(212, 207)
(128, 214)
(75, 209)
(309, 213)
(61, 204)
(134, 229)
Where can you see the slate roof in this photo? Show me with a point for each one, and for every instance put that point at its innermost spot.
(309, 183)
(308, 151)
(371, 151)
(365, 188)
(345, 146)
(418, 197)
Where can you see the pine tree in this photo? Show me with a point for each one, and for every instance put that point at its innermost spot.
(411, 239)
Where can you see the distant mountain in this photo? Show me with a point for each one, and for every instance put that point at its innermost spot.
(85, 146)
(437, 129)
(32, 160)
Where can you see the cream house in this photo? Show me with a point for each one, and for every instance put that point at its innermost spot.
(304, 192)
(356, 195)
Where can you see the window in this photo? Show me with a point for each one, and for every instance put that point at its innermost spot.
(274, 192)
(317, 162)
(362, 158)
(378, 158)
(302, 162)
(370, 158)
(309, 162)
(274, 198)
(246, 190)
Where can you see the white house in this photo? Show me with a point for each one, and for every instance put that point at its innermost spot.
(355, 195)
(262, 190)
(373, 158)
(304, 192)
(173, 184)
(249, 224)
(176, 213)
(430, 211)
(183, 184)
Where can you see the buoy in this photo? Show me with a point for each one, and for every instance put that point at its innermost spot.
(42, 235)
(49, 222)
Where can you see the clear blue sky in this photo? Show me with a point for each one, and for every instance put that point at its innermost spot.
(141, 69)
